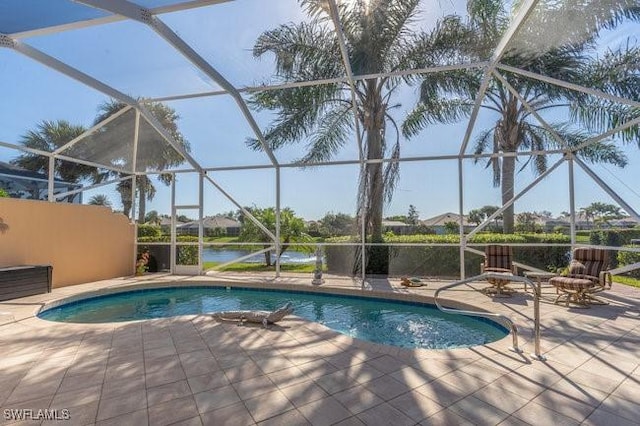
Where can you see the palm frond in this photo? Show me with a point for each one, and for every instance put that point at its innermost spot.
(330, 135)
(599, 115)
(437, 110)
(450, 41)
(303, 52)
(392, 173)
(537, 139)
(374, 29)
(482, 141)
(616, 72)
(496, 162)
(600, 152)
(297, 112)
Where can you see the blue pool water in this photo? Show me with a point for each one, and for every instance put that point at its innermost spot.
(408, 325)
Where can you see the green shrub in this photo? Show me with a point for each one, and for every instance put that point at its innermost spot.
(186, 255)
(613, 238)
(3, 193)
(149, 230)
(628, 258)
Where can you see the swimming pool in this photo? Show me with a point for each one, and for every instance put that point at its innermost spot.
(404, 324)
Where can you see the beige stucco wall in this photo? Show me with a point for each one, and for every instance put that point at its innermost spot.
(82, 243)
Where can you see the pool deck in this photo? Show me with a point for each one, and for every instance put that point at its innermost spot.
(193, 370)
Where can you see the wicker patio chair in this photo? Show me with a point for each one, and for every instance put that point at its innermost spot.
(586, 276)
(498, 259)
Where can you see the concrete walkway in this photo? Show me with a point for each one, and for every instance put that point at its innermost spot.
(192, 370)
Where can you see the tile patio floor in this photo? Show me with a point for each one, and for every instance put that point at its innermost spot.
(192, 370)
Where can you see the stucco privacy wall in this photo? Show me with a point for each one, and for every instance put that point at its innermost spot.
(82, 243)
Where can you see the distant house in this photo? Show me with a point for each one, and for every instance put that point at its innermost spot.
(551, 224)
(22, 183)
(212, 226)
(397, 227)
(165, 224)
(437, 223)
(625, 222)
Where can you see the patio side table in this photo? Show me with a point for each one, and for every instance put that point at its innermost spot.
(539, 277)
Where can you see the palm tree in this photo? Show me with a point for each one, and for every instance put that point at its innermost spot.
(49, 136)
(379, 39)
(154, 153)
(100, 200)
(516, 129)
(292, 229)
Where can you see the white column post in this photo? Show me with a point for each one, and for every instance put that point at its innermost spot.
(200, 219)
(172, 250)
(572, 202)
(51, 180)
(463, 240)
(277, 242)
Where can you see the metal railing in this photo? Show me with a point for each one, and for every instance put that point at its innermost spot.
(503, 319)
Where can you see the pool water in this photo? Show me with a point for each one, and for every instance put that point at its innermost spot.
(408, 325)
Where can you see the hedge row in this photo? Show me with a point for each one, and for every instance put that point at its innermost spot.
(614, 238)
(628, 258)
(438, 261)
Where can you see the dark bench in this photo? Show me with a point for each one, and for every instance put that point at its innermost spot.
(21, 281)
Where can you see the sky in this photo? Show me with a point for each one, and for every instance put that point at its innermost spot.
(132, 59)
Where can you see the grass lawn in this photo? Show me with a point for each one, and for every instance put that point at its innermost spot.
(634, 282)
(259, 267)
(582, 239)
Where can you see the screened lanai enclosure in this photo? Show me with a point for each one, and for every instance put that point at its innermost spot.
(394, 137)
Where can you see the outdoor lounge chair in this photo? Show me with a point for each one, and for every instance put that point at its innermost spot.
(498, 259)
(587, 275)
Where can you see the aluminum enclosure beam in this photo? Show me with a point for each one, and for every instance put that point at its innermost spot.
(146, 17)
(97, 185)
(568, 85)
(337, 25)
(333, 9)
(293, 84)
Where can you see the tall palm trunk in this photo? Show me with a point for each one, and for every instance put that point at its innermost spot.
(508, 176)
(373, 123)
(142, 203)
(124, 188)
(267, 255)
(509, 130)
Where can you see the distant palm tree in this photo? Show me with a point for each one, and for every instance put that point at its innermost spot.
(100, 200)
(516, 128)
(154, 153)
(49, 136)
(380, 38)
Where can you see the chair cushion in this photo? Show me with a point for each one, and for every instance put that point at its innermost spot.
(594, 260)
(502, 271)
(576, 268)
(498, 257)
(569, 283)
(584, 254)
